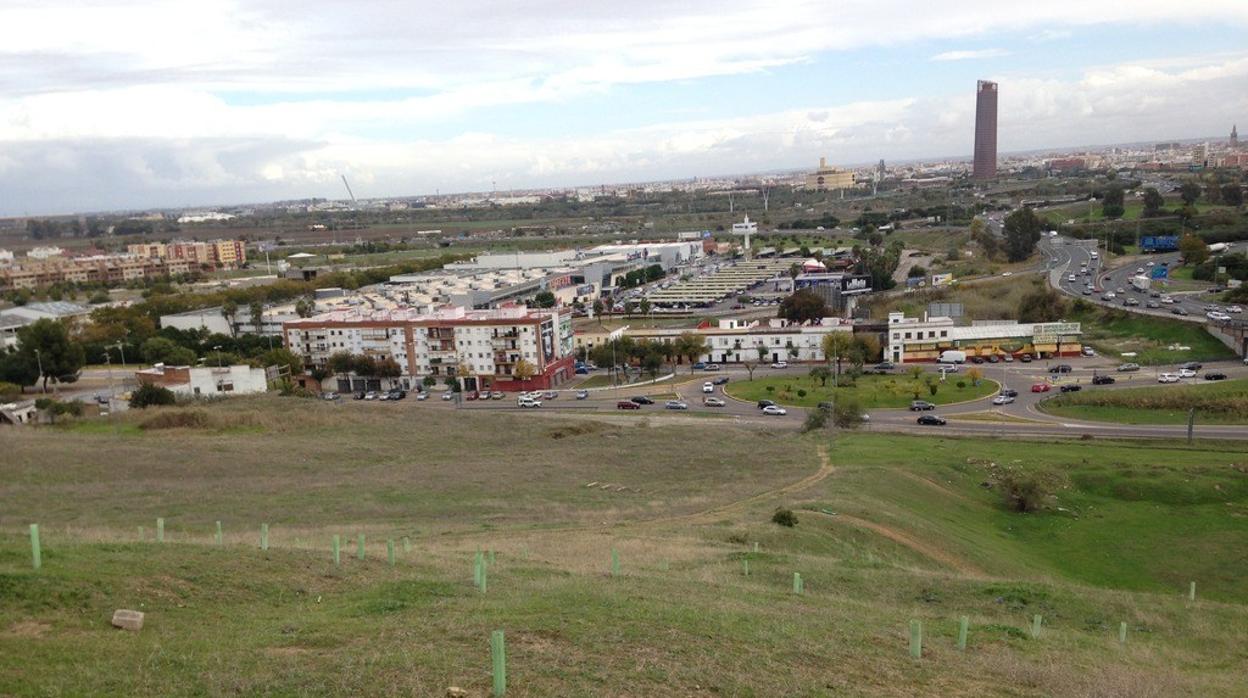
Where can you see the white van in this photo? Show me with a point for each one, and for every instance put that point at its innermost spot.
(952, 357)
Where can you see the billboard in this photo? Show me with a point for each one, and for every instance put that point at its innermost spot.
(855, 284)
(1159, 243)
(1160, 272)
(1048, 332)
(942, 279)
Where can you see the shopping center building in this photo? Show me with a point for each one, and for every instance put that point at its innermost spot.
(913, 340)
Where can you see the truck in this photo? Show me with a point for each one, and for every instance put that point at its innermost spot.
(952, 357)
(1140, 282)
(1219, 247)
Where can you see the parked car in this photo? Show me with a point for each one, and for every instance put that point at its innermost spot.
(357, 395)
(627, 405)
(328, 395)
(582, 394)
(977, 359)
(483, 395)
(497, 395)
(780, 364)
(699, 366)
(708, 387)
(1168, 378)
(713, 402)
(397, 394)
(1102, 380)
(932, 420)
(1128, 367)
(1002, 400)
(775, 410)
(448, 395)
(1071, 388)
(1025, 358)
(1008, 358)
(992, 359)
(550, 395)
(422, 396)
(641, 400)
(676, 405)
(1041, 387)
(764, 404)
(712, 367)
(884, 366)
(921, 406)
(371, 395)
(1215, 376)
(1088, 351)
(471, 395)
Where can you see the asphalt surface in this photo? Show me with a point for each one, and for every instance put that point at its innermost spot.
(977, 417)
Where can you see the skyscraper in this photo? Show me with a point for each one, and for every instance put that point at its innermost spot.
(1234, 136)
(985, 130)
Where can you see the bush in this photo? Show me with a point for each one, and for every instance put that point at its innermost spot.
(961, 384)
(9, 391)
(1028, 492)
(801, 393)
(148, 394)
(771, 388)
(847, 413)
(784, 517)
(815, 420)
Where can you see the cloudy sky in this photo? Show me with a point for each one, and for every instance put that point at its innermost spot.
(109, 104)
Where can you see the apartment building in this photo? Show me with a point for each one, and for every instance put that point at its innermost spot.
(480, 348)
(221, 254)
(735, 341)
(103, 269)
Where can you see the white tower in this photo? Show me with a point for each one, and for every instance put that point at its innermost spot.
(745, 228)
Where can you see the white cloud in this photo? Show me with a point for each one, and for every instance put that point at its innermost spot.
(970, 55)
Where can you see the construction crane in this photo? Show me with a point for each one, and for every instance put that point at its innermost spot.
(349, 192)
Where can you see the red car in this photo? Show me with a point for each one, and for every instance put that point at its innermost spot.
(627, 405)
(472, 395)
(1041, 388)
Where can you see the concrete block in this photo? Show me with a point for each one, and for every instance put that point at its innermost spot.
(127, 619)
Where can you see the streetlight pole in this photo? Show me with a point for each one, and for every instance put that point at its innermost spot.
(217, 349)
(39, 361)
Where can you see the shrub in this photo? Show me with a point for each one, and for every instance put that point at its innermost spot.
(148, 394)
(784, 517)
(1028, 492)
(961, 384)
(9, 391)
(815, 420)
(847, 413)
(801, 393)
(771, 388)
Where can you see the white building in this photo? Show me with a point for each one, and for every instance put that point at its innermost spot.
(206, 381)
(735, 341)
(45, 252)
(479, 347)
(913, 340)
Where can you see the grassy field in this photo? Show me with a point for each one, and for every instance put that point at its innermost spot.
(1153, 339)
(1223, 402)
(890, 529)
(870, 391)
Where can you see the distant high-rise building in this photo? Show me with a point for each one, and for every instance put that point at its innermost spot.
(1234, 136)
(985, 130)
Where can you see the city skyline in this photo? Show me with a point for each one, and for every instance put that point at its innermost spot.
(256, 105)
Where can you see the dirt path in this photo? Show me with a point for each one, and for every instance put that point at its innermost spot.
(714, 513)
(930, 552)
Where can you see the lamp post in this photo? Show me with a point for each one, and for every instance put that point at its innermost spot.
(39, 361)
(217, 349)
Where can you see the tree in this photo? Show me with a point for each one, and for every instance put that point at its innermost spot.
(229, 311)
(161, 350)
(282, 357)
(975, 375)
(803, 306)
(1193, 249)
(544, 299)
(18, 368)
(149, 394)
(1043, 304)
(256, 310)
(47, 343)
(644, 306)
(1022, 232)
(865, 347)
(429, 382)
(821, 374)
(304, 307)
(1189, 192)
(691, 346)
(1233, 194)
(598, 310)
(652, 362)
(364, 365)
(340, 362)
(835, 347)
(1213, 193)
(983, 237)
(387, 367)
(1154, 202)
(1112, 203)
(523, 370)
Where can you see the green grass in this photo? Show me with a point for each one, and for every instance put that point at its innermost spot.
(1113, 332)
(1222, 402)
(870, 391)
(913, 534)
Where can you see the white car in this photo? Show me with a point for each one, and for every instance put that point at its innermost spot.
(1168, 378)
(422, 396)
(448, 396)
(1167, 300)
(712, 402)
(780, 364)
(947, 368)
(676, 405)
(1186, 373)
(1002, 400)
(775, 410)
(1215, 315)
(1234, 309)
(708, 387)
(528, 402)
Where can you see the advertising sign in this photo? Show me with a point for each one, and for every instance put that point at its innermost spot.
(1048, 332)
(942, 279)
(1159, 243)
(855, 284)
(1160, 272)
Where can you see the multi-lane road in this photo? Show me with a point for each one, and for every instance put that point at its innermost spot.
(1022, 417)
